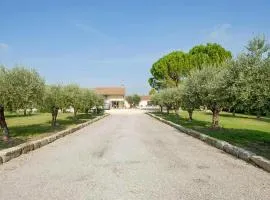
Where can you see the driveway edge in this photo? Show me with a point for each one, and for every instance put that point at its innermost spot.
(13, 152)
(222, 145)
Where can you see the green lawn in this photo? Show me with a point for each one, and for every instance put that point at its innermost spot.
(36, 126)
(242, 130)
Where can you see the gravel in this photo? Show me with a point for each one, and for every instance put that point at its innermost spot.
(130, 155)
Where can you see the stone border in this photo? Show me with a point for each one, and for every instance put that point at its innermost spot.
(222, 145)
(13, 152)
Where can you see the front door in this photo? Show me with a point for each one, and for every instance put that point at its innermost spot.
(115, 104)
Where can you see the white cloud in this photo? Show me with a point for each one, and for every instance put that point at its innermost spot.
(220, 32)
(3, 46)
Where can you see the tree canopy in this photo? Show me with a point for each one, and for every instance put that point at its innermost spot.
(210, 54)
(21, 88)
(133, 100)
(173, 68)
(218, 82)
(169, 70)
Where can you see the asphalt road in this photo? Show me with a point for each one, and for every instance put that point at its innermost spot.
(131, 156)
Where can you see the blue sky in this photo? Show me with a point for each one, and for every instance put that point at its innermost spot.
(109, 43)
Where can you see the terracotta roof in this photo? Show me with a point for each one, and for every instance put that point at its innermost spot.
(145, 98)
(111, 91)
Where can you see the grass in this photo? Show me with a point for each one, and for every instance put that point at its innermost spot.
(36, 126)
(244, 131)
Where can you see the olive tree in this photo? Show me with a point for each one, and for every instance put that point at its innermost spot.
(152, 91)
(3, 86)
(88, 100)
(256, 72)
(157, 100)
(99, 103)
(25, 88)
(73, 96)
(53, 101)
(190, 94)
(171, 99)
(133, 100)
(212, 90)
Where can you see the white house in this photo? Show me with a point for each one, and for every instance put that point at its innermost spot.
(114, 96)
(145, 101)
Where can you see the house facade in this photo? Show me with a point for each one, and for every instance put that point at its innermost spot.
(114, 97)
(145, 101)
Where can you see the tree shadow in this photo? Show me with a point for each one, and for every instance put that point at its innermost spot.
(82, 117)
(11, 143)
(9, 116)
(40, 129)
(252, 140)
(36, 129)
(23, 133)
(179, 119)
(241, 116)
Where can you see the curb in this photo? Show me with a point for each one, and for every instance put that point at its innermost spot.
(13, 152)
(222, 145)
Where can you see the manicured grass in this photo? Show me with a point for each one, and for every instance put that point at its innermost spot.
(242, 130)
(36, 126)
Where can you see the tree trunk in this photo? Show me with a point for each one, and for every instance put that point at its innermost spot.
(168, 108)
(233, 113)
(53, 120)
(24, 112)
(75, 113)
(190, 112)
(161, 109)
(215, 119)
(3, 124)
(176, 111)
(258, 114)
(54, 115)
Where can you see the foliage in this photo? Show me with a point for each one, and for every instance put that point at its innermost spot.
(152, 91)
(247, 79)
(3, 86)
(169, 70)
(213, 93)
(89, 100)
(170, 98)
(256, 71)
(22, 88)
(211, 54)
(243, 83)
(73, 96)
(190, 94)
(133, 100)
(53, 101)
(99, 103)
(156, 99)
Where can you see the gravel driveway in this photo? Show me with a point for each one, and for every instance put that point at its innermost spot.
(129, 155)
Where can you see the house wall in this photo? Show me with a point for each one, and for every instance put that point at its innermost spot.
(127, 104)
(114, 98)
(109, 99)
(143, 103)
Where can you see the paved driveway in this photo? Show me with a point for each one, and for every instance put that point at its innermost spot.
(129, 155)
